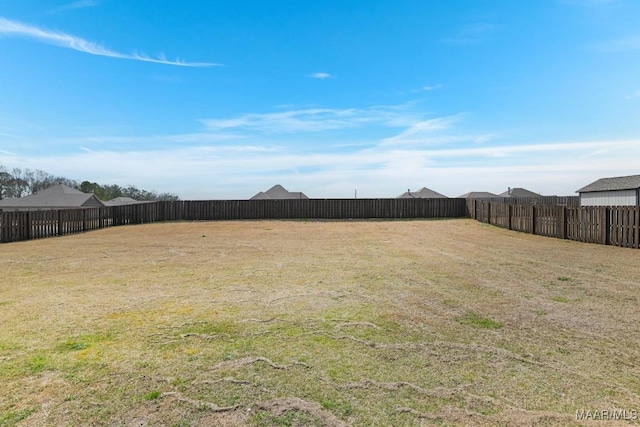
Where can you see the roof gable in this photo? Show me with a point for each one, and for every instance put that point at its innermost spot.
(278, 192)
(519, 192)
(423, 193)
(630, 182)
(478, 195)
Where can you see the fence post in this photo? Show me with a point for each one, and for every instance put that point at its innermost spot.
(509, 214)
(533, 219)
(28, 226)
(563, 222)
(59, 222)
(605, 223)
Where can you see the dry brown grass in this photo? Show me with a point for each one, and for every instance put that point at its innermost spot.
(316, 323)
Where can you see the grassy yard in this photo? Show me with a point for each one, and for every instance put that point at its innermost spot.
(293, 323)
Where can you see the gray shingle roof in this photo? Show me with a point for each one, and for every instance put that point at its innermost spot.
(55, 197)
(478, 195)
(519, 192)
(119, 201)
(279, 192)
(423, 193)
(612, 184)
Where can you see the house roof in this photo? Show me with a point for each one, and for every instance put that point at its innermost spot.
(478, 195)
(423, 193)
(612, 184)
(55, 197)
(119, 201)
(519, 192)
(279, 192)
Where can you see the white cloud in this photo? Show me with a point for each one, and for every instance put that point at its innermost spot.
(424, 131)
(313, 120)
(429, 88)
(439, 153)
(18, 29)
(81, 4)
(380, 171)
(320, 76)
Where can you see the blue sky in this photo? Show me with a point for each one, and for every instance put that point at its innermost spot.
(225, 98)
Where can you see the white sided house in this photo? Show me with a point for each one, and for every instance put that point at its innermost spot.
(617, 191)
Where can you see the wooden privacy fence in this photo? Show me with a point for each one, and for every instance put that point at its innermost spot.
(312, 209)
(617, 225)
(606, 225)
(27, 225)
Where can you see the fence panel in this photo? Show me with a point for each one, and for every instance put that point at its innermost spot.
(521, 218)
(624, 226)
(548, 221)
(587, 224)
(500, 215)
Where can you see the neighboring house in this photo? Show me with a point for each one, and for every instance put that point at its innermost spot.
(617, 191)
(478, 195)
(278, 192)
(424, 193)
(55, 197)
(120, 201)
(518, 192)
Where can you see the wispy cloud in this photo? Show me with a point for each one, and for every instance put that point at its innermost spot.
(81, 4)
(428, 88)
(423, 131)
(14, 28)
(320, 76)
(313, 120)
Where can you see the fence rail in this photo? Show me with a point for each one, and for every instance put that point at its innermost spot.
(606, 225)
(538, 201)
(27, 225)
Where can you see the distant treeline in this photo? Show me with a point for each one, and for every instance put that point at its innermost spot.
(23, 182)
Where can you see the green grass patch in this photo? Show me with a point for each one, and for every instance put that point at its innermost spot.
(477, 321)
(338, 407)
(152, 396)
(12, 418)
(560, 299)
(73, 345)
(39, 362)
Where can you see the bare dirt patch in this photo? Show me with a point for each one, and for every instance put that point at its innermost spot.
(316, 323)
